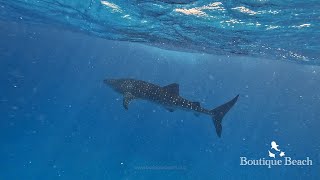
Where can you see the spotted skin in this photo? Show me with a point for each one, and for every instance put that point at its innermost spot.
(167, 96)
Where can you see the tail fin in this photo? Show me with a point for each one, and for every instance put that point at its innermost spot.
(219, 112)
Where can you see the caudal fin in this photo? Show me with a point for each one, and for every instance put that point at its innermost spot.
(219, 112)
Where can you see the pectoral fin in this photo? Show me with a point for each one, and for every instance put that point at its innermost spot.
(128, 97)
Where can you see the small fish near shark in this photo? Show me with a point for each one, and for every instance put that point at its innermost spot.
(167, 96)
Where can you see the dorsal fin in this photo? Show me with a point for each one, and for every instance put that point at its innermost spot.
(196, 103)
(172, 88)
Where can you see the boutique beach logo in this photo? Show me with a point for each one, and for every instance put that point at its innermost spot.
(274, 147)
(277, 157)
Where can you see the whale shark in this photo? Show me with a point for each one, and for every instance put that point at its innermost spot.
(167, 96)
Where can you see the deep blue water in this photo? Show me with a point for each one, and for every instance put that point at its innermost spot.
(59, 121)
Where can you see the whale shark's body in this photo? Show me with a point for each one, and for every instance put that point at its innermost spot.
(167, 96)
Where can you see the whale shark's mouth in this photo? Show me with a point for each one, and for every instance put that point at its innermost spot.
(109, 81)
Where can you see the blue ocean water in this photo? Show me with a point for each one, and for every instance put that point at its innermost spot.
(59, 121)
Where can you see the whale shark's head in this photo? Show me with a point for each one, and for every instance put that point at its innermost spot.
(119, 85)
(110, 82)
